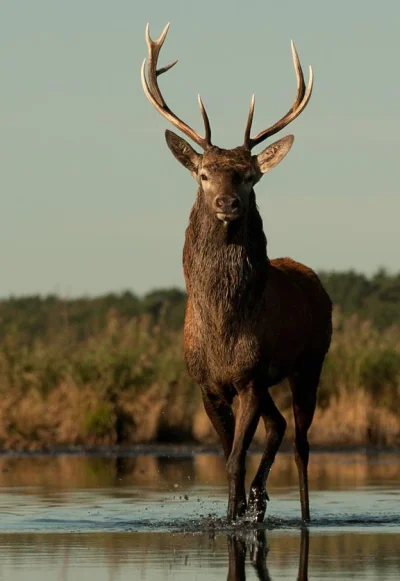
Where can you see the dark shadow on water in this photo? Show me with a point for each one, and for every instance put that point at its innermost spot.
(255, 546)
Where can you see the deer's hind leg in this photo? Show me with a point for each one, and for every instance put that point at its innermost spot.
(275, 426)
(304, 385)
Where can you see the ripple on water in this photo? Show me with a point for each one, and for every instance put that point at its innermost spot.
(202, 511)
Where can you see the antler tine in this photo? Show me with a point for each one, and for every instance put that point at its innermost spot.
(153, 93)
(302, 98)
(166, 68)
(249, 123)
(206, 120)
(301, 86)
(154, 47)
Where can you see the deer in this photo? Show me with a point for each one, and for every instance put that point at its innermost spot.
(250, 321)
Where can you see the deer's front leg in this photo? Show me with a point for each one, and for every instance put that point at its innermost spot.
(247, 418)
(221, 416)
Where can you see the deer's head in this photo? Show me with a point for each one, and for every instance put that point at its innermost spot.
(225, 176)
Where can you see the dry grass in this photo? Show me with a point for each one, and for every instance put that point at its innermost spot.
(127, 383)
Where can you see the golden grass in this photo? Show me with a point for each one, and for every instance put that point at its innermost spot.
(127, 383)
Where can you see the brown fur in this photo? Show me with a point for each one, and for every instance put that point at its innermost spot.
(246, 314)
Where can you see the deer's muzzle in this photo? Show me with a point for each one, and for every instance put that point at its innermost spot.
(227, 208)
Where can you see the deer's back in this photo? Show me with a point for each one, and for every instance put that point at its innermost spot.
(312, 299)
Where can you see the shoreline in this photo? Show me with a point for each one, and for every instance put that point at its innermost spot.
(184, 450)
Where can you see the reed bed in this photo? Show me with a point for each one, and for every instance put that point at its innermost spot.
(126, 383)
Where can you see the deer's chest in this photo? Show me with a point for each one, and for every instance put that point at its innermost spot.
(220, 353)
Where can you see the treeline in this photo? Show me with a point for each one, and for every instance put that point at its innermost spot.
(37, 316)
(375, 298)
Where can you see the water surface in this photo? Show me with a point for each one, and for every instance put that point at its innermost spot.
(148, 517)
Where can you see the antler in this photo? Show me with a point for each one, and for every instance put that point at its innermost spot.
(155, 97)
(302, 97)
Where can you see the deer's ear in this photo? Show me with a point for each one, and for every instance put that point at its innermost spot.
(274, 153)
(183, 152)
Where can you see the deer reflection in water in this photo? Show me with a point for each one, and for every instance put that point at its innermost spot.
(238, 544)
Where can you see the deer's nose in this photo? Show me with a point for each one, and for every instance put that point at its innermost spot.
(227, 204)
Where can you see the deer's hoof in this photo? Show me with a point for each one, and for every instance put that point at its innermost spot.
(257, 503)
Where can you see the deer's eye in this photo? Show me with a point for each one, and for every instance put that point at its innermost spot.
(203, 177)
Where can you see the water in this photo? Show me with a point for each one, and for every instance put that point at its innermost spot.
(149, 517)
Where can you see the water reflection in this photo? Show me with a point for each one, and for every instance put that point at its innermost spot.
(326, 472)
(157, 557)
(240, 544)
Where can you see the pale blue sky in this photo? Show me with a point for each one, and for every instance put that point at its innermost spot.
(91, 198)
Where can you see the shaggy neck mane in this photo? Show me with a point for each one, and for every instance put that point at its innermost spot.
(225, 266)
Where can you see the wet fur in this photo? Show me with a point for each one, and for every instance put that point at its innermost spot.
(247, 315)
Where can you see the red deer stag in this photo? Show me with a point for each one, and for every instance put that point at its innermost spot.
(250, 321)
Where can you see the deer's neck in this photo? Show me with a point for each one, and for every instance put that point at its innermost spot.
(225, 266)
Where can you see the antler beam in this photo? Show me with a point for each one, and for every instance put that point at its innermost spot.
(302, 97)
(155, 97)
